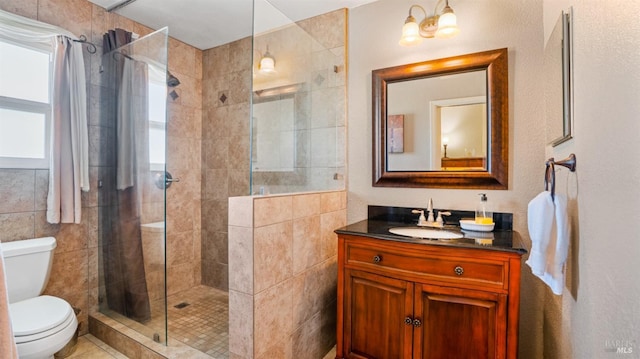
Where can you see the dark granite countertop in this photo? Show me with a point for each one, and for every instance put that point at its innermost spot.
(500, 240)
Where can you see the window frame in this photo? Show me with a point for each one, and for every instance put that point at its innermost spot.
(18, 104)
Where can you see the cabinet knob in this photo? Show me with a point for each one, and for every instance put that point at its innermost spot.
(377, 259)
(417, 323)
(408, 321)
(458, 270)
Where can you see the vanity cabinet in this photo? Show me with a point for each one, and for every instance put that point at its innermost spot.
(411, 300)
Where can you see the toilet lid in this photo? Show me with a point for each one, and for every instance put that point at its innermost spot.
(39, 314)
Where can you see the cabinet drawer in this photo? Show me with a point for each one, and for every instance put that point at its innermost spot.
(414, 265)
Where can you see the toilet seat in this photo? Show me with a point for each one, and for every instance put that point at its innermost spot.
(39, 317)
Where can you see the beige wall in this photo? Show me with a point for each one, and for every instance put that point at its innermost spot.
(485, 24)
(74, 274)
(600, 301)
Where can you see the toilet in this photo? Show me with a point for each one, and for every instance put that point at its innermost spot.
(42, 324)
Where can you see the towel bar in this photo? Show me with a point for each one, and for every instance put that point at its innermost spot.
(550, 173)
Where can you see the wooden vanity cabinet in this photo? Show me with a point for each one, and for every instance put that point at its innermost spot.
(409, 300)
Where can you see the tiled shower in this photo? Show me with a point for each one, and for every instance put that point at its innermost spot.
(209, 148)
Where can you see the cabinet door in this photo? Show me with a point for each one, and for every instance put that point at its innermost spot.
(459, 323)
(376, 309)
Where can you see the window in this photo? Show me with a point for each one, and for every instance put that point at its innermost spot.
(25, 105)
(157, 106)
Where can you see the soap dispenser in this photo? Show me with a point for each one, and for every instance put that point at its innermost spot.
(483, 214)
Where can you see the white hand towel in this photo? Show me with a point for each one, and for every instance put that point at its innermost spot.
(540, 213)
(550, 242)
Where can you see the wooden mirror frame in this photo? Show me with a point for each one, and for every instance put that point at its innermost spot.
(496, 63)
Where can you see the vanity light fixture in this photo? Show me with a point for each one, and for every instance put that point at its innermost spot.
(267, 63)
(441, 25)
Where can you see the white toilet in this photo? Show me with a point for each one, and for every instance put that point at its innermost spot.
(42, 324)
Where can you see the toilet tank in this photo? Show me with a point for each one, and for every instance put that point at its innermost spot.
(27, 266)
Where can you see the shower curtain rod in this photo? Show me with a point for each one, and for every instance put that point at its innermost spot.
(119, 5)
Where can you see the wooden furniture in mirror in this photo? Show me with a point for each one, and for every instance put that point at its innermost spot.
(493, 137)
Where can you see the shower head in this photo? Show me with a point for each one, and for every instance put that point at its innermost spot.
(172, 81)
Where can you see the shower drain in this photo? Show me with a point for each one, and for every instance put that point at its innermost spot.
(181, 305)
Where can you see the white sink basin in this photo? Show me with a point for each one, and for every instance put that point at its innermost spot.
(424, 233)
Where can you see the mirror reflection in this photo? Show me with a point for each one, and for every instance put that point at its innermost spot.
(438, 123)
(442, 123)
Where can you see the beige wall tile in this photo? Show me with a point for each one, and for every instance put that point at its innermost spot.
(241, 326)
(282, 349)
(180, 249)
(240, 54)
(239, 182)
(77, 13)
(272, 256)
(182, 58)
(329, 222)
(69, 280)
(42, 189)
(16, 226)
(180, 277)
(216, 183)
(328, 29)
(241, 211)
(306, 243)
(273, 316)
(269, 210)
(179, 215)
(306, 205)
(315, 337)
(307, 300)
(69, 236)
(241, 259)
(26, 8)
(214, 215)
(17, 190)
(332, 201)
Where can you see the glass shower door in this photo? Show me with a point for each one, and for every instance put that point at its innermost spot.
(133, 181)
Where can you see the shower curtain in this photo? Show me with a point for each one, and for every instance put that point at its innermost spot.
(125, 283)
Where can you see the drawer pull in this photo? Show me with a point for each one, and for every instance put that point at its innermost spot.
(417, 323)
(408, 321)
(377, 259)
(458, 270)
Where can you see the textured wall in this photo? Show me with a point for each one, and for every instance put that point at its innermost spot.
(599, 311)
(485, 25)
(22, 213)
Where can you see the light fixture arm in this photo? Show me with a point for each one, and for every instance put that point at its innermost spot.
(419, 7)
(442, 24)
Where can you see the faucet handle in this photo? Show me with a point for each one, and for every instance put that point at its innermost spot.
(421, 220)
(439, 220)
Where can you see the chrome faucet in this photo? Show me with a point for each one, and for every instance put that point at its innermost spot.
(430, 221)
(430, 209)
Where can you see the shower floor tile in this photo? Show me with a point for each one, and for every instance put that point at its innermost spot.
(199, 317)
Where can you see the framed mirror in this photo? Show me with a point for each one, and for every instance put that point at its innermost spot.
(442, 123)
(558, 91)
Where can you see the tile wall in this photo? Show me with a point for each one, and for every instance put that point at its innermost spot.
(226, 90)
(311, 54)
(23, 193)
(282, 287)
